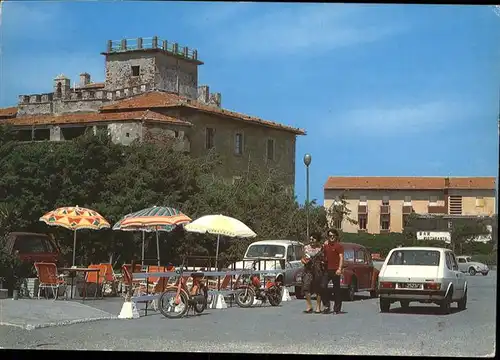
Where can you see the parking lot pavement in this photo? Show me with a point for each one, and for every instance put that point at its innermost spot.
(31, 314)
(361, 330)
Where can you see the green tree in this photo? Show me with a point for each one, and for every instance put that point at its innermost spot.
(338, 212)
(115, 180)
(464, 231)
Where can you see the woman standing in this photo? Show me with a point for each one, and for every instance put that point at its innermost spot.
(313, 272)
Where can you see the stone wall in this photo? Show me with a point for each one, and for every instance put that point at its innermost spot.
(169, 68)
(255, 144)
(77, 101)
(119, 70)
(125, 132)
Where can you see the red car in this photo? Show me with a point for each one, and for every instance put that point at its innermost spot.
(359, 272)
(33, 247)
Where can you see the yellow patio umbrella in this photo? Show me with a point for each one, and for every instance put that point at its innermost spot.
(75, 218)
(220, 225)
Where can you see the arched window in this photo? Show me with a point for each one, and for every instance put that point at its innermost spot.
(59, 90)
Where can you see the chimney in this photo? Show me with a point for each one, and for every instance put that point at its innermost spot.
(84, 79)
(215, 99)
(203, 94)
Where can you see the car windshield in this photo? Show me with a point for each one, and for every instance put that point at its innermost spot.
(262, 250)
(29, 244)
(415, 257)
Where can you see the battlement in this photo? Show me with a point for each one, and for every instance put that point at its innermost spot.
(80, 94)
(151, 44)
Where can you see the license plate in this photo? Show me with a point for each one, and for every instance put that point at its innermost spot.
(410, 286)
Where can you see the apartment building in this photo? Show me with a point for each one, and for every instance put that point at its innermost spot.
(381, 204)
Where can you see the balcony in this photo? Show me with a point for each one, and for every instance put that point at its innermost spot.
(362, 209)
(385, 209)
(407, 209)
(436, 209)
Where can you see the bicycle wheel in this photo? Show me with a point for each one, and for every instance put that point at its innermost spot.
(274, 295)
(168, 305)
(199, 307)
(244, 297)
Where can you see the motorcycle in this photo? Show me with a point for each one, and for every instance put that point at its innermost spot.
(252, 289)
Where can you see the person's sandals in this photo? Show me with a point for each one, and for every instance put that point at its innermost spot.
(326, 311)
(309, 311)
(318, 312)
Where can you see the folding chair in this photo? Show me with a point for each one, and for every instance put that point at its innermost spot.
(49, 279)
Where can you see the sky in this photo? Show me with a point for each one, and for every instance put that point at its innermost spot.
(382, 90)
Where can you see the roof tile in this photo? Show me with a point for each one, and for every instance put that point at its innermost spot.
(407, 183)
(158, 99)
(8, 112)
(90, 117)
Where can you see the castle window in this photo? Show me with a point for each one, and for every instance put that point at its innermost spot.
(238, 144)
(270, 149)
(59, 90)
(209, 138)
(135, 70)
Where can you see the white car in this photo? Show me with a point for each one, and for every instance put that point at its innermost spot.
(422, 274)
(275, 255)
(466, 265)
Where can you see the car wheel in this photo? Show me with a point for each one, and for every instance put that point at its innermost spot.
(446, 305)
(405, 304)
(298, 293)
(374, 292)
(462, 303)
(485, 273)
(472, 271)
(385, 305)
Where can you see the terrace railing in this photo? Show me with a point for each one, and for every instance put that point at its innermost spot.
(116, 46)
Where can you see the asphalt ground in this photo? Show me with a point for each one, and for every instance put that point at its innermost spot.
(361, 330)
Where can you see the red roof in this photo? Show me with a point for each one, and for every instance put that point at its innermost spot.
(160, 99)
(407, 183)
(8, 112)
(90, 117)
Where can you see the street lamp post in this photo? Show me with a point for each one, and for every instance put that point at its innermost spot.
(307, 162)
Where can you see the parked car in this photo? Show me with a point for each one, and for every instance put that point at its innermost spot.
(32, 247)
(466, 265)
(359, 273)
(422, 274)
(273, 255)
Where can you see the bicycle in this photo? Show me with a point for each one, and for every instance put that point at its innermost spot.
(252, 289)
(177, 299)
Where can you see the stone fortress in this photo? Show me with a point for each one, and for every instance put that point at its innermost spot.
(152, 84)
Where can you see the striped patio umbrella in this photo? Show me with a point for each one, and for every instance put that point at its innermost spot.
(156, 218)
(75, 218)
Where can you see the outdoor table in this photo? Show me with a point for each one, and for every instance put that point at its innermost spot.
(73, 272)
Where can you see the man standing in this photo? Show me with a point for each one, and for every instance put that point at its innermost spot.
(334, 261)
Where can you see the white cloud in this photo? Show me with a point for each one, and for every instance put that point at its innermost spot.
(301, 29)
(399, 120)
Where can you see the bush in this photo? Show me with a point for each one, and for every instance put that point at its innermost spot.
(488, 259)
